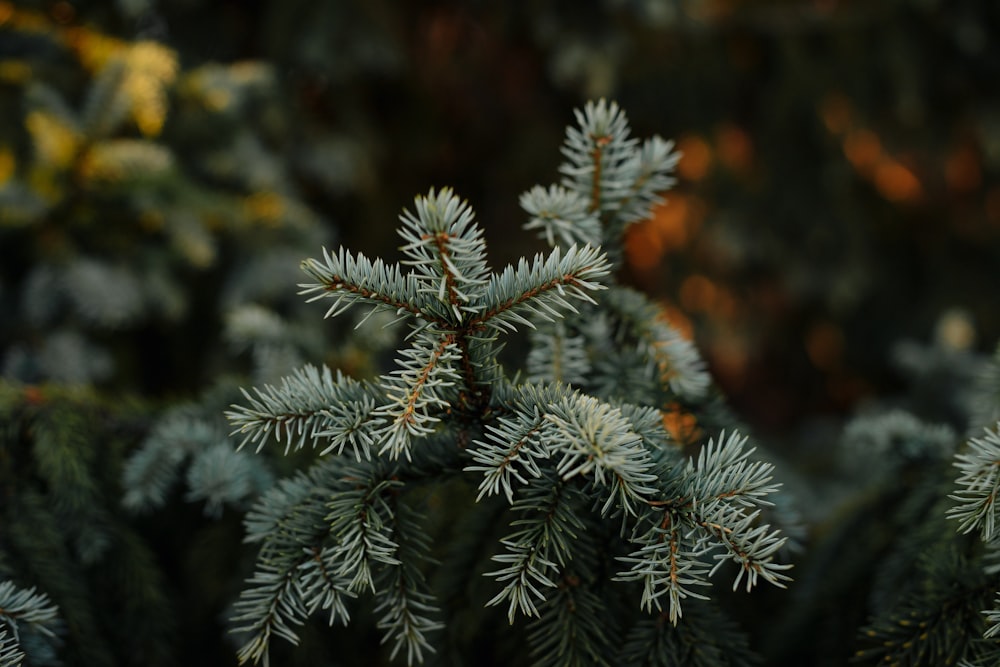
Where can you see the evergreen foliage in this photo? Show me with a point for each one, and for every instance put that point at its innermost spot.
(566, 499)
(910, 542)
(602, 504)
(79, 584)
(152, 201)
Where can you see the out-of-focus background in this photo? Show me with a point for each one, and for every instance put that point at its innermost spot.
(832, 246)
(837, 196)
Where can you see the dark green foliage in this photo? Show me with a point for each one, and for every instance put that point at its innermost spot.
(161, 166)
(145, 205)
(63, 535)
(598, 495)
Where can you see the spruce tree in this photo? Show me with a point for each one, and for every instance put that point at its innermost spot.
(597, 532)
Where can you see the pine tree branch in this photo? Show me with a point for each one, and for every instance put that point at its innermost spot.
(154, 468)
(538, 549)
(557, 356)
(446, 248)
(595, 439)
(678, 364)
(668, 563)
(703, 638)
(512, 449)
(709, 508)
(564, 461)
(10, 652)
(295, 573)
(979, 486)
(425, 384)
(309, 405)
(562, 216)
(361, 521)
(407, 607)
(350, 280)
(28, 607)
(541, 289)
(596, 152)
(573, 628)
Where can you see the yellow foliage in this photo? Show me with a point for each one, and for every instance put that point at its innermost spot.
(152, 68)
(113, 161)
(15, 71)
(56, 142)
(217, 100)
(251, 73)
(151, 221)
(45, 184)
(265, 207)
(93, 49)
(7, 164)
(217, 87)
(23, 20)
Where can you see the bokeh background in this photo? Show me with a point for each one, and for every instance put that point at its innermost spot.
(833, 240)
(837, 193)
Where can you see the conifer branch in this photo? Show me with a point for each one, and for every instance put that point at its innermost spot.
(573, 628)
(349, 279)
(513, 450)
(425, 384)
(596, 440)
(10, 652)
(653, 165)
(597, 151)
(309, 405)
(295, 573)
(562, 216)
(676, 361)
(28, 608)
(538, 549)
(407, 607)
(979, 486)
(446, 248)
(940, 622)
(541, 289)
(361, 521)
(557, 356)
(563, 460)
(711, 508)
(705, 638)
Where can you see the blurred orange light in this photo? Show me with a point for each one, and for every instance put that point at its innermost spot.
(897, 183)
(643, 246)
(697, 293)
(682, 426)
(863, 149)
(669, 222)
(730, 360)
(678, 320)
(724, 305)
(696, 158)
(962, 171)
(734, 147)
